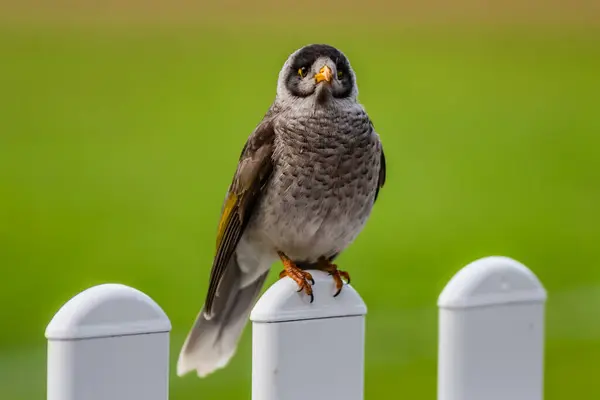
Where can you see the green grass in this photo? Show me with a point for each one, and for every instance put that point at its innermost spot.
(116, 150)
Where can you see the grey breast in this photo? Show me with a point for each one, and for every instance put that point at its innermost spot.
(323, 184)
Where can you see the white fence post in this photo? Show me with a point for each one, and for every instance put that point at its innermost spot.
(308, 351)
(491, 333)
(110, 342)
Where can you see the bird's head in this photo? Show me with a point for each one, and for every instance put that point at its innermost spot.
(317, 73)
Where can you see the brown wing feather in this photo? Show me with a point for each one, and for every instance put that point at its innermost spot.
(254, 168)
(382, 172)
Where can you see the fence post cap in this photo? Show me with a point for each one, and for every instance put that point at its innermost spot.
(492, 281)
(107, 310)
(282, 301)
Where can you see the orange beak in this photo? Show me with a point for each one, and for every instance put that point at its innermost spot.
(324, 74)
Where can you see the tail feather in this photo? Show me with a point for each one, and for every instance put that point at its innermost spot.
(212, 342)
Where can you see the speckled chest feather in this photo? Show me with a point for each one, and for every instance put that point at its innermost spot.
(323, 183)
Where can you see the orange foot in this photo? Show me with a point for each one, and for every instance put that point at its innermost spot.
(301, 277)
(327, 266)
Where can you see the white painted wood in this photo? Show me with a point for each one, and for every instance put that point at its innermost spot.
(109, 342)
(308, 351)
(491, 333)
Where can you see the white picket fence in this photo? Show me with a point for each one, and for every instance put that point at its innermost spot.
(111, 342)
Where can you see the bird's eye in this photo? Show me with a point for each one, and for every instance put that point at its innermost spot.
(340, 74)
(302, 72)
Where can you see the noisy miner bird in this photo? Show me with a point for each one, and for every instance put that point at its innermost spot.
(303, 190)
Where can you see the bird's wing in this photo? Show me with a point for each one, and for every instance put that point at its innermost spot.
(254, 168)
(381, 180)
(382, 171)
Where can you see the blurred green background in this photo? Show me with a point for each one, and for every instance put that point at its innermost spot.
(119, 136)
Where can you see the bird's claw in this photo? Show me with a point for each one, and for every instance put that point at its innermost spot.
(337, 275)
(302, 278)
